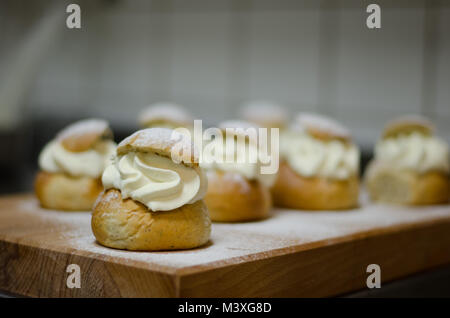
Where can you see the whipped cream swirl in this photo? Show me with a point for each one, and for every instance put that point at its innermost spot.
(154, 180)
(91, 163)
(311, 157)
(415, 151)
(242, 159)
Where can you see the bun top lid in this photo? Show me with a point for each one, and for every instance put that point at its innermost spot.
(264, 113)
(165, 112)
(321, 127)
(238, 127)
(407, 124)
(82, 135)
(236, 124)
(162, 141)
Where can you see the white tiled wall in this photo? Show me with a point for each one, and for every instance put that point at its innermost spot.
(200, 59)
(213, 55)
(442, 90)
(379, 71)
(283, 59)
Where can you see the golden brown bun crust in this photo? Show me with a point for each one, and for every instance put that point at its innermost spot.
(63, 192)
(233, 198)
(128, 224)
(165, 113)
(321, 127)
(406, 187)
(265, 113)
(296, 192)
(82, 135)
(162, 141)
(326, 136)
(408, 124)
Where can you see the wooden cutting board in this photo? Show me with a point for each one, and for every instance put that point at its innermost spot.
(293, 253)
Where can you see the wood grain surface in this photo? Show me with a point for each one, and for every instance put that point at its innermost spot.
(293, 253)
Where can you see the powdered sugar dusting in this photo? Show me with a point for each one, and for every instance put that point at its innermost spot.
(150, 136)
(411, 119)
(155, 137)
(231, 243)
(307, 121)
(165, 111)
(264, 111)
(82, 127)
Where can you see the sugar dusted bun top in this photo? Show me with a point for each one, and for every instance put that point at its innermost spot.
(83, 134)
(162, 141)
(265, 113)
(318, 146)
(408, 124)
(408, 143)
(83, 148)
(237, 127)
(238, 155)
(165, 114)
(321, 127)
(157, 167)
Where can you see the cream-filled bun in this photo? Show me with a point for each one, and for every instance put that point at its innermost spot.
(153, 198)
(71, 165)
(165, 115)
(411, 164)
(265, 113)
(319, 169)
(237, 187)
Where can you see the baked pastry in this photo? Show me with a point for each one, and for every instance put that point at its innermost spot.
(270, 115)
(265, 113)
(411, 165)
(238, 188)
(319, 167)
(165, 115)
(153, 198)
(71, 166)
